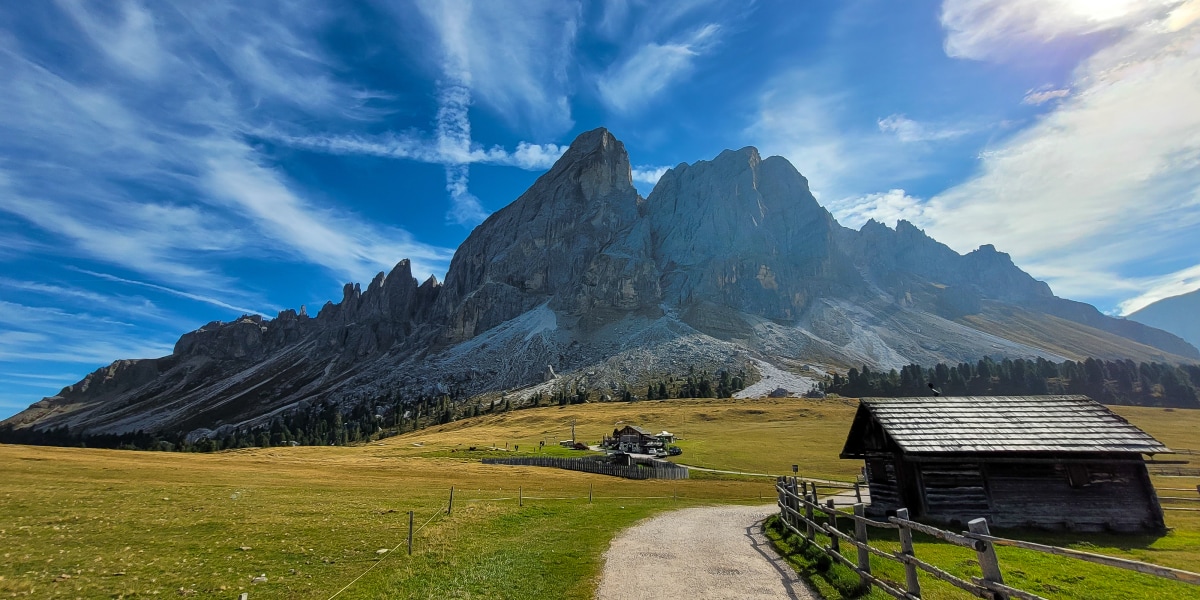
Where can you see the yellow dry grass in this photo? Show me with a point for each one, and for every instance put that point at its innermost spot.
(110, 524)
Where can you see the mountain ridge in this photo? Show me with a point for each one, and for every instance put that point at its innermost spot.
(724, 263)
(1175, 314)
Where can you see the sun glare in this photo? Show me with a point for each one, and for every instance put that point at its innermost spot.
(1103, 11)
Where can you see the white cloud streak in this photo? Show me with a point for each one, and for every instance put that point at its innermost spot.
(174, 292)
(887, 208)
(648, 174)
(1161, 287)
(907, 130)
(634, 82)
(516, 54)
(803, 120)
(1039, 97)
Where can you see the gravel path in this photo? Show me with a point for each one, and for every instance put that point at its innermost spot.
(705, 553)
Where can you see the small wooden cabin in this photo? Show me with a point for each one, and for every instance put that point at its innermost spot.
(1052, 462)
(633, 439)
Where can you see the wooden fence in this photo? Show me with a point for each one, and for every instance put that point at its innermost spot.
(660, 470)
(799, 510)
(1172, 471)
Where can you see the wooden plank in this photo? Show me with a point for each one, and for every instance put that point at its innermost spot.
(1100, 559)
(1004, 589)
(853, 542)
(953, 538)
(864, 555)
(869, 522)
(988, 563)
(833, 513)
(906, 548)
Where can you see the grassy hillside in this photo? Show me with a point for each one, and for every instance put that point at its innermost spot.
(110, 524)
(1063, 337)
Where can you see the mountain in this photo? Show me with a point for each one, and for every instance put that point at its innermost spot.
(1179, 315)
(728, 263)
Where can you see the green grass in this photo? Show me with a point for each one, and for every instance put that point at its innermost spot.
(122, 524)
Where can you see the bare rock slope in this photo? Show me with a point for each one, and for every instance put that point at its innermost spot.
(727, 262)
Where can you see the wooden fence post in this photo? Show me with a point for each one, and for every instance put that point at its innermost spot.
(912, 584)
(833, 539)
(857, 493)
(808, 513)
(785, 494)
(864, 555)
(450, 507)
(987, 557)
(410, 526)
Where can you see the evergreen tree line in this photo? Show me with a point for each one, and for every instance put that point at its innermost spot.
(1107, 381)
(697, 385)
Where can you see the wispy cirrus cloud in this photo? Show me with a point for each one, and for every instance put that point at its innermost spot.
(51, 334)
(73, 147)
(908, 130)
(800, 117)
(1041, 96)
(512, 55)
(632, 83)
(415, 147)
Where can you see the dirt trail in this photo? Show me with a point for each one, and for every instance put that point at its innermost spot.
(704, 553)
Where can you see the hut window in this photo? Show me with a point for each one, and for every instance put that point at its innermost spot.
(1078, 475)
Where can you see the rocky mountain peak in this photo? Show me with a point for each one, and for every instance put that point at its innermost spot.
(581, 279)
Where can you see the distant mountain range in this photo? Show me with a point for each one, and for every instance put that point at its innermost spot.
(1179, 315)
(728, 263)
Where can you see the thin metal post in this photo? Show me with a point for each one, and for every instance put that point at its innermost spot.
(410, 531)
(520, 496)
(860, 534)
(589, 493)
(912, 584)
(833, 539)
(987, 557)
(450, 507)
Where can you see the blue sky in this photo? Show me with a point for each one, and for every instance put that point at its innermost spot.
(166, 164)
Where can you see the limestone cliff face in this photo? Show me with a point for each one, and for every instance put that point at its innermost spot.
(727, 262)
(559, 242)
(743, 233)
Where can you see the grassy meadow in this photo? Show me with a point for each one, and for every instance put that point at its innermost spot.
(82, 523)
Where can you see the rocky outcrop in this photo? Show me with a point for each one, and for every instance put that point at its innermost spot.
(728, 263)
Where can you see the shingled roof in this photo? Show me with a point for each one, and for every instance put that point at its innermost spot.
(1002, 424)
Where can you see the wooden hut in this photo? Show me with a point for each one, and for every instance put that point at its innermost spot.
(1053, 462)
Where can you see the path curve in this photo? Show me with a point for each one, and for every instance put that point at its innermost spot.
(707, 553)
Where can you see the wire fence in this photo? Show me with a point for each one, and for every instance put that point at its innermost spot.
(446, 510)
(654, 470)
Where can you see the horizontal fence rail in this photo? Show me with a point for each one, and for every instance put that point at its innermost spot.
(802, 514)
(662, 470)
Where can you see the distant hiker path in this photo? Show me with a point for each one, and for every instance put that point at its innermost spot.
(706, 553)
